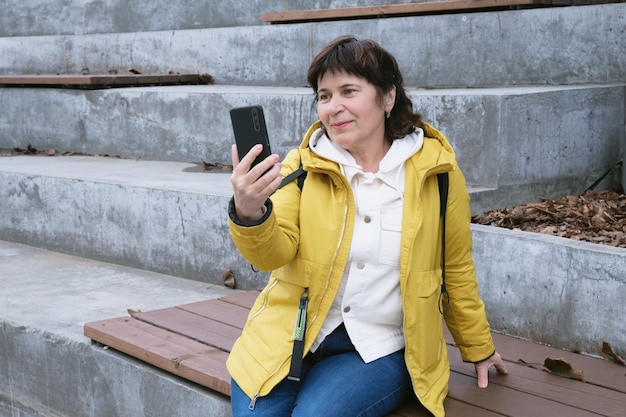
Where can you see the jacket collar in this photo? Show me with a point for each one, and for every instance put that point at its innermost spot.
(435, 156)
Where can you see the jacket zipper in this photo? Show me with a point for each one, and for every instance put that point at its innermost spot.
(256, 396)
(332, 269)
(265, 300)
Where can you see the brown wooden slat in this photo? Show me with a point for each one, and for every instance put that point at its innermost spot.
(244, 298)
(541, 384)
(201, 329)
(219, 310)
(173, 353)
(508, 401)
(401, 9)
(596, 371)
(524, 392)
(99, 80)
(453, 408)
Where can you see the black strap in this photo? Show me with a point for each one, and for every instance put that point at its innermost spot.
(299, 173)
(444, 299)
(298, 338)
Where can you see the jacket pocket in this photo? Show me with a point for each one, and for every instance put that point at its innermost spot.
(390, 235)
(428, 322)
(300, 272)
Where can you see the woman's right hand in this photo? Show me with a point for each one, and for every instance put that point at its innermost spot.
(252, 187)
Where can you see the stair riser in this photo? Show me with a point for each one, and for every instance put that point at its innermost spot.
(43, 375)
(177, 233)
(458, 50)
(502, 137)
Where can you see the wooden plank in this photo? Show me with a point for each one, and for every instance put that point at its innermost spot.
(198, 328)
(245, 298)
(219, 310)
(182, 340)
(541, 384)
(510, 402)
(176, 354)
(400, 9)
(101, 80)
(596, 371)
(453, 408)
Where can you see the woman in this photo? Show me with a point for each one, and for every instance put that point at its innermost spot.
(355, 255)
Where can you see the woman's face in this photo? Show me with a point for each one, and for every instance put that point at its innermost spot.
(351, 111)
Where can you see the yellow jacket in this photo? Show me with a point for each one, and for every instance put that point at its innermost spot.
(305, 242)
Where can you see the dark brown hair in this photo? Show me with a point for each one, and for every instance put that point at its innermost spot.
(368, 60)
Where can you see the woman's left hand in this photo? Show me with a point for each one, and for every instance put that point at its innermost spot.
(482, 369)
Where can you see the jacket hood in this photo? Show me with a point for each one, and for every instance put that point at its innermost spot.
(436, 152)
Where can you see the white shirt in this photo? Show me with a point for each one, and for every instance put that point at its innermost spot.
(369, 301)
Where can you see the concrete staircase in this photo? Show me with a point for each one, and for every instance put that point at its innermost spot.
(533, 101)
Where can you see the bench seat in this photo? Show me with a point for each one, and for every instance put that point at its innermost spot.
(93, 81)
(193, 341)
(412, 9)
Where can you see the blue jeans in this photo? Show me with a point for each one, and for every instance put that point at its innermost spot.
(335, 382)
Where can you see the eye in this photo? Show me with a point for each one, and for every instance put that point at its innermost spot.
(322, 97)
(348, 92)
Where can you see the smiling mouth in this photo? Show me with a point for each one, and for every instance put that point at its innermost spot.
(340, 125)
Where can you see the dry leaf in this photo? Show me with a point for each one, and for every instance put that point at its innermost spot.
(560, 367)
(595, 216)
(609, 354)
(228, 278)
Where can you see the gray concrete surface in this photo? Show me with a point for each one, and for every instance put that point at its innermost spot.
(523, 141)
(554, 46)
(149, 215)
(78, 17)
(48, 368)
(552, 290)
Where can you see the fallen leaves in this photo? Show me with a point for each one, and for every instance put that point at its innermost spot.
(598, 217)
(609, 354)
(30, 150)
(557, 366)
(560, 367)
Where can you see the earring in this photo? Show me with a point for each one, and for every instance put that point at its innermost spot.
(388, 114)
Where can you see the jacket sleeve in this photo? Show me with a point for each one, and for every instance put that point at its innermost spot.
(466, 318)
(272, 242)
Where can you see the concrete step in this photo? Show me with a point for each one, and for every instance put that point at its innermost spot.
(80, 17)
(522, 138)
(552, 46)
(49, 369)
(168, 217)
(148, 215)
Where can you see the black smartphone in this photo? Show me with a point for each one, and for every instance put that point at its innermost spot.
(249, 128)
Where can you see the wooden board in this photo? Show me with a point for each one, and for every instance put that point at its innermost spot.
(101, 80)
(404, 9)
(193, 341)
(173, 353)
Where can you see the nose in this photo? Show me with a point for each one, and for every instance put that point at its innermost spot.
(335, 105)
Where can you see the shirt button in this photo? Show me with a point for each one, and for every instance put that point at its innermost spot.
(367, 219)
(360, 265)
(346, 309)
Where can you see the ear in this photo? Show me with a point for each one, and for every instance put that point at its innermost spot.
(390, 99)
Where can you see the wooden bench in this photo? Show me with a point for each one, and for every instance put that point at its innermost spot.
(412, 9)
(193, 341)
(88, 81)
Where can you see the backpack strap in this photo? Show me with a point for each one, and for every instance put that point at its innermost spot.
(444, 299)
(299, 173)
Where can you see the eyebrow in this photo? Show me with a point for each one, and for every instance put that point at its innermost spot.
(341, 87)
